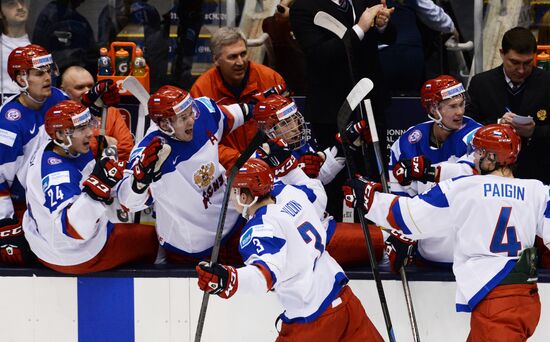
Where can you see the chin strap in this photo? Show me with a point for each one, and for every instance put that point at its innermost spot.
(66, 147)
(246, 206)
(25, 91)
(439, 122)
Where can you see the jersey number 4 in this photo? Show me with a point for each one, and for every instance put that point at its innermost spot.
(512, 244)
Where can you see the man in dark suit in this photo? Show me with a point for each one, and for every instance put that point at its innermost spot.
(329, 79)
(517, 88)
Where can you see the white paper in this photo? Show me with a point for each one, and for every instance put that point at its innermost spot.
(522, 120)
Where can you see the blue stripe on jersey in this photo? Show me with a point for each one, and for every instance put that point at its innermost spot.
(340, 280)
(547, 211)
(261, 246)
(279, 186)
(330, 229)
(310, 194)
(395, 210)
(435, 197)
(273, 276)
(482, 293)
(105, 309)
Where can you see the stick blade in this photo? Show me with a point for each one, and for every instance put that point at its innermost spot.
(355, 96)
(325, 20)
(132, 85)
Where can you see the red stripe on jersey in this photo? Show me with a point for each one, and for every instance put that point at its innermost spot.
(230, 119)
(71, 231)
(267, 275)
(5, 193)
(390, 218)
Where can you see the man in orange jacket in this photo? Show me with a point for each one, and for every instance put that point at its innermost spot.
(75, 81)
(234, 79)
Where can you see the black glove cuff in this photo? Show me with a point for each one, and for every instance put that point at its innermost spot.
(430, 174)
(139, 187)
(106, 200)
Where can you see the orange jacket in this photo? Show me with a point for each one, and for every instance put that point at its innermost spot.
(210, 84)
(117, 128)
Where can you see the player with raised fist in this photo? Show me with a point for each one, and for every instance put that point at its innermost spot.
(176, 167)
(283, 221)
(71, 203)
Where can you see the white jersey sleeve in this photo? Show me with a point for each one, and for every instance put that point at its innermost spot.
(313, 188)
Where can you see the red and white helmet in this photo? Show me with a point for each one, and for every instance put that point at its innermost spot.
(256, 176)
(438, 89)
(67, 114)
(279, 117)
(167, 102)
(28, 57)
(500, 139)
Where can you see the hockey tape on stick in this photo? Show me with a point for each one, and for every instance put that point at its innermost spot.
(355, 96)
(132, 85)
(256, 141)
(330, 23)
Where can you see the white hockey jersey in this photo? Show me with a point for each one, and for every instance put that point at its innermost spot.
(63, 225)
(492, 218)
(21, 132)
(188, 197)
(287, 241)
(416, 142)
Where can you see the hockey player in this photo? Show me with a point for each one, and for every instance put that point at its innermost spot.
(495, 218)
(283, 246)
(187, 191)
(68, 195)
(417, 155)
(279, 118)
(21, 131)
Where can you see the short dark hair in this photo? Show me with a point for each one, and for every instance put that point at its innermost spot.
(520, 40)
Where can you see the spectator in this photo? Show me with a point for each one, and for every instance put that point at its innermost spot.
(404, 62)
(21, 121)
(76, 81)
(543, 37)
(416, 157)
(517, 88)
(68, 227)
(13, 15)
(192, 129)
(234, 79)
(67, 34)
(287, 56)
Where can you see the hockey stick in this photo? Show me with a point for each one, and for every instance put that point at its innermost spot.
(352, 101)
(382, 171)
(256, 141)
(132, 85)
(328, 22)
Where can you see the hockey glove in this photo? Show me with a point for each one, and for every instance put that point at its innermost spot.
(400, 250)
(107, 172)
(104, 92)
(355, 132)
(217, 279)
(278, 156)
(148, 167)
(14, 248)
(360, 192)
(311, 164)
(418, 168)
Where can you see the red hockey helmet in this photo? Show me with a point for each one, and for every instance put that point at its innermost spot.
(67, 114)
(169, 101)
(279, 117)
(28, 57)
(256, 176)
(438, 89)
(500, 139)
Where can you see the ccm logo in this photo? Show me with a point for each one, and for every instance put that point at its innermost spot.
(11, 232)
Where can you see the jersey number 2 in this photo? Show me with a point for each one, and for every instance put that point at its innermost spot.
(306, 228)
(512, 245)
